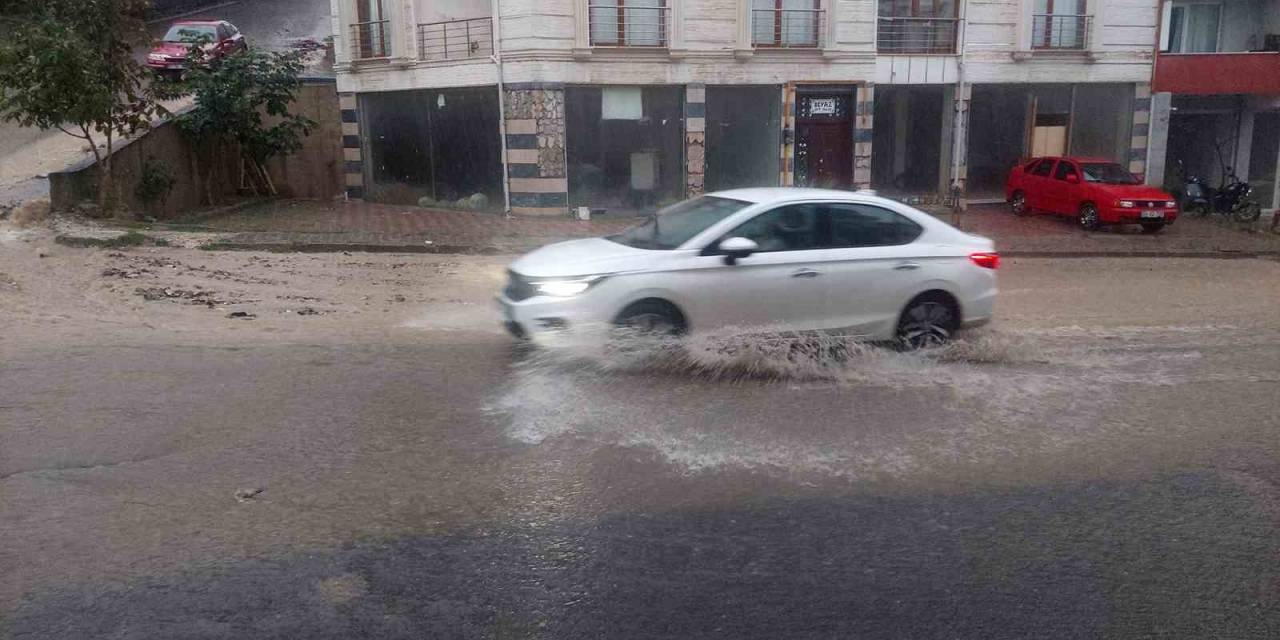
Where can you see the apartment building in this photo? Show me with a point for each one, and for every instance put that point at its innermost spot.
(624, 105)
(1216, 106)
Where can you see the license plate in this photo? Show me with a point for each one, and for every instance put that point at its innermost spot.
(1153, 214)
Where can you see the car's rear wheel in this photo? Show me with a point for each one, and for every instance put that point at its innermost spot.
(1018, 203)
(1088, 218)
(928, 321)
(1152, 227)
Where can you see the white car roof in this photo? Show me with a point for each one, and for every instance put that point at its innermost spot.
(769, 195)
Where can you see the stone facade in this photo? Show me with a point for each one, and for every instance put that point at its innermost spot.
(535, 121)
(695, 139)
(863, 126)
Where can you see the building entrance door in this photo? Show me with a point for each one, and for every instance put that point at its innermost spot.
(824, 140)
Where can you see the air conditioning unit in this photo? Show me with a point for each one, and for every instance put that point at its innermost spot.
(1271, 42)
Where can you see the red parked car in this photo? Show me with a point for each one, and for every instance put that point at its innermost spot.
(169, 56)
(1094, 191)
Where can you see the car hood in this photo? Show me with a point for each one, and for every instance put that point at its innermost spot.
(588, 257)
(1136, 192)
(172, 49)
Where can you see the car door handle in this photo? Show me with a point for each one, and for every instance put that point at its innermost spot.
(906, 266)
(805, 273)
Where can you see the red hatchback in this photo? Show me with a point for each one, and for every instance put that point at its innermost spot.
(169, 56)
(1094, 191)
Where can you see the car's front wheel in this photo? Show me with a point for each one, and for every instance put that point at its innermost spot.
(1018, 203)
(1088, 218)
(928, 321)
(651, 318)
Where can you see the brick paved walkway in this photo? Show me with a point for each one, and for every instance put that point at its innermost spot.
(321, 226)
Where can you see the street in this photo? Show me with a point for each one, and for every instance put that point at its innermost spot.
(365, 454)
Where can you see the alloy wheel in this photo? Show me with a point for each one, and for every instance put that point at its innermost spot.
(1019, 204)
(1089, 218)
(926, 324)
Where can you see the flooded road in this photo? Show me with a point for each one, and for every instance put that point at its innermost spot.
(1103, 462)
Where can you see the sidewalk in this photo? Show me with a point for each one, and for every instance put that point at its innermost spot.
(319, 226)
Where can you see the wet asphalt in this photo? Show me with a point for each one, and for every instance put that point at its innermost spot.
(1068, 473)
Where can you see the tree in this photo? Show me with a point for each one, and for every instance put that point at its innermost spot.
(242, 101)
(68, 65)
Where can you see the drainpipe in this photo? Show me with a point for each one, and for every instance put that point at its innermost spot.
(495, 9)
(959, 129)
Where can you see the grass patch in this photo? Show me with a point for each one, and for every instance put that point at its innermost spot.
(131, 239)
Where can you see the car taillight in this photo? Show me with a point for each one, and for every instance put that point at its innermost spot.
(986, 260)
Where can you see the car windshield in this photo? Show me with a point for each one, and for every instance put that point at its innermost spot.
(1107, 173)
(190, 33)
(677, 224)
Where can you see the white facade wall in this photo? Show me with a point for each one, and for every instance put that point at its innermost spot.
(548, 41)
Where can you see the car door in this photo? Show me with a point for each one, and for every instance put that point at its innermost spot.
(874, 267)
(1060, 189)
(1037, 181)
(778, 287)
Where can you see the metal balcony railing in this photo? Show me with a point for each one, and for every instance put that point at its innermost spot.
(1065, 32)
(371, 39)
(917, 35)
(456, 39)
(625, 25)
(788, 28)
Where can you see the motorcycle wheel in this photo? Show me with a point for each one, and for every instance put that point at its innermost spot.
(1247, 211)
(1199, 209)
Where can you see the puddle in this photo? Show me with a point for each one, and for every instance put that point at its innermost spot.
(787, 404)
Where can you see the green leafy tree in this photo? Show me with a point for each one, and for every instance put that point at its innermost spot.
(69, 65)
(242, 102)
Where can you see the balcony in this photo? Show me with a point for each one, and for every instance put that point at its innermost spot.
(1057, 32)
(371, 40)
(622, 25)
(917, 36)
(787, 28)
(1256, 73)
(456, 39)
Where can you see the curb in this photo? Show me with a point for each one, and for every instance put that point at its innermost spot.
(289, 247)
(303, 247)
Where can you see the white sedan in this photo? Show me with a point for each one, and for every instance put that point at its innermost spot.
(765, 259)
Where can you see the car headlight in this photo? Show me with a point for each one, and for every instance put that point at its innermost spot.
(1171, 204)
(156, 56)
(1126, 204)
(565, 288)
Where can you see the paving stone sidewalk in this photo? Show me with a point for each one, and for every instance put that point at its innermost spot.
(317, 226)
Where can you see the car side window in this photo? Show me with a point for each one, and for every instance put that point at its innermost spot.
(1043, 169)
(789, 228)
(1064, 169)
(861, 225)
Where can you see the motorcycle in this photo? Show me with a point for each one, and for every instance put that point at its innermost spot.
(1230, 199)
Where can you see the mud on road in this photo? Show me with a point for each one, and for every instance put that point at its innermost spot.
(226, 444)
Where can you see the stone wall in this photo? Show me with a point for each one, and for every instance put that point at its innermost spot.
(695, 139)
(314, 172)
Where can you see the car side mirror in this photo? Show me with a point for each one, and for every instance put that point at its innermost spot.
(1073, 178)
(735, 249)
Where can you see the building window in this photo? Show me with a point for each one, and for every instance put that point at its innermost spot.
(628, 23)
(917, 26)
(1060, 24)
(369, 33)
(1193, 27)
(786, 23)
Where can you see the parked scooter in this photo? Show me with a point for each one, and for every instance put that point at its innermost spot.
(1231, 199)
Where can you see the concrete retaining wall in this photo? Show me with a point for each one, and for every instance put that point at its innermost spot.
(314, 172)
